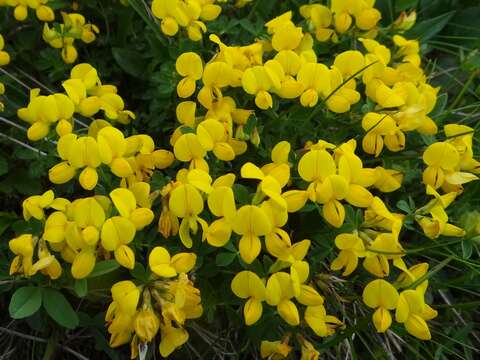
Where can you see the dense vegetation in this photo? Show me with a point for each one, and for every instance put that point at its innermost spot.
(239, 179)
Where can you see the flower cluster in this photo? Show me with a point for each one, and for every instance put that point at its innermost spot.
(198, 199)
(190, 15)
(82, 231)
(20, 11)
(4, 60)
(132, 159)
(186, 14)
(62, 36)
(138, 313)
(84, 95)
(59, 36)
(327, 23)
(450, 163)
(410, 307)
(403, 98)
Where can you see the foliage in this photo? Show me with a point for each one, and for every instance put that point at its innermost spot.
(382, 231)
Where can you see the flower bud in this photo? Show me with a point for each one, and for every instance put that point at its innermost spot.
(141, 217)
(69, 54)
(83, 264)
(404, 21)
(121, 168)
(63, 127)
(88, 178)
(125, 256)
(44, 13)
(169, 26)
(38, 130)
(4, 59)
(90, 235)
(163, 159)
(61, 173)
(20, 13)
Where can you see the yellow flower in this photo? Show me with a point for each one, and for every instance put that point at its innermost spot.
(216, 75)
(22, 247)
(413, 311)
(126, 201)
(4, 56)
(378, 216)
(117, 232)
(282, 287)
(381, 129)
(322, 324)
(259, 80)
(186, 202)
(329, 184)
(382, 296)
(247, 285)
(221, 203)
(352, 248)
(55, 227)
(320, 18)
(189, 65)
(443, 160)
(121, 312)
(411, 275)
(385, 247)
(83, 263)
(251, 222)
(274, 350)
(163, 265)
(315, 80)
(271, 184)
(437, 224)
(146, 324)
(213, 136)
(34, 206)
(308, 350)
(405, 21)
(171, 338)
(189, 148)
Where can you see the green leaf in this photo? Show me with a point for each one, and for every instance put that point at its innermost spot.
(139, 272)
(428, 139)
(104, 267)
(250, 125)
(427, 29)
(467, 249)
(230, 247)
(80, 287)
(3, 166)
(130, 61)
(247, 25)
(403, 205)
(225, 258)
(405, 4)
(24, 183)
(140, 10)
(187, 130)
(6, 220)
(59, 308)
(440, 106)
(242, 194)
(25, 302)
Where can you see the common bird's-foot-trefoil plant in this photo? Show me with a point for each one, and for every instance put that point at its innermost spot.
(231, 198)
